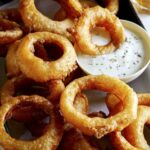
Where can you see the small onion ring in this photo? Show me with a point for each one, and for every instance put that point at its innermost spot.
(137, 140)
(49, 140)
(99, 126)
(38, 22)
(100, 17)
(42, 71)
(10, 31)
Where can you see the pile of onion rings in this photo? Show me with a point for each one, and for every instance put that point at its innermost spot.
(45, 88)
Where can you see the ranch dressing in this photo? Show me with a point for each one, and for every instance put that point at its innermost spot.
(123, 62)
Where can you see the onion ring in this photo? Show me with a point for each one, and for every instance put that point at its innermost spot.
(99, 126)
(10, 31)
(49, 140)
(97, 16)
(42, 71)
(38, 22)
(75, 8)
(126, 141)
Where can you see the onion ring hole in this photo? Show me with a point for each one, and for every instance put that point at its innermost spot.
(48, 51)
(34, 124)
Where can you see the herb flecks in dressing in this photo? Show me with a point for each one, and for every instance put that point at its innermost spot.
(125, 61)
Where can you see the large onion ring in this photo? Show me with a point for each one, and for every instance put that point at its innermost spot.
(100, 17)
(38, 22)
(42, 71)
(10, 31)
(135, 128)
(49, 140)
(99, 126)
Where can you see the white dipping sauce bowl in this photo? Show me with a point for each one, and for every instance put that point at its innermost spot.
(146, 41)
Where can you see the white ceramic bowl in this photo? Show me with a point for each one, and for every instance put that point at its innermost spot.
(146, 41)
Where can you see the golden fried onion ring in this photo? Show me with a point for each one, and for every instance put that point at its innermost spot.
(10, 31)
(99, 126)
(49, 140)
(38, 22)
(42, 71)
(137, 140)
(100, 17)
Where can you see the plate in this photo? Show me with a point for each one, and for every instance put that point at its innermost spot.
(140, 85)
